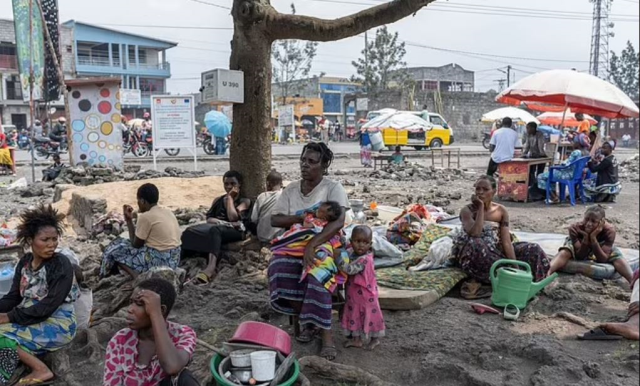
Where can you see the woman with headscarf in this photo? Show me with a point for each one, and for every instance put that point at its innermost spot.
(580, 149)
(607, 186)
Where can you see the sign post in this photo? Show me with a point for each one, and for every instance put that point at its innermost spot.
(286, 118)
(130, 97)
(173, 124)
(221, 85)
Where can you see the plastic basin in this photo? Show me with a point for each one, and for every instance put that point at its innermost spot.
(264, 335)
(294, 373)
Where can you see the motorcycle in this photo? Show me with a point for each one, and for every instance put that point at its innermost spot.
(209, 145)
(486, 141)
(45, 148)
(143, 145)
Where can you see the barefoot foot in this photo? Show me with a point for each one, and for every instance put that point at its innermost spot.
(375, 342)
(353, 343)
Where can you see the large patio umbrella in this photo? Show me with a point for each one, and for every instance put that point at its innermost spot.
(218, 124)
(571, 89)
(569, 118)
(517, 115)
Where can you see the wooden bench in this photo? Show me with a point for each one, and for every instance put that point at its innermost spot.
(383, 159)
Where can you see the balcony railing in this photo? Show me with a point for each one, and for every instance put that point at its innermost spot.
(104, 62)
(9, 61)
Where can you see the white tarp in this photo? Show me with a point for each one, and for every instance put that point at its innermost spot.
(398, 121)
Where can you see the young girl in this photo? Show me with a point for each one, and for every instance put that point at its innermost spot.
(592, 239)
(362, 316)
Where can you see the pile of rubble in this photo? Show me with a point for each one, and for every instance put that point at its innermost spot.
(85, 175)
(629, 169)
(414, 171)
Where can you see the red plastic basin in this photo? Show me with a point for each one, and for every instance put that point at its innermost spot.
(264, 335)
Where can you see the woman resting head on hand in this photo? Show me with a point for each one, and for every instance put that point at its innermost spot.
(151, 351)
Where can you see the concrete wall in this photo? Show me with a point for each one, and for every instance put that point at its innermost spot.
(450, 72)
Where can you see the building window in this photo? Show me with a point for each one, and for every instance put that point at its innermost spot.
(14, 89)
(93, 54)
(430, 85)
(150, 86)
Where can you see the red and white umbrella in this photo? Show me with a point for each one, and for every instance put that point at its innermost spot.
(556, 118)
(571, 89)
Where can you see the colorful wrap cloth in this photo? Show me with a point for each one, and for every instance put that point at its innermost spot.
(293, 243)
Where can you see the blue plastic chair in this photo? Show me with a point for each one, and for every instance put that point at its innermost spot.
(577, 181)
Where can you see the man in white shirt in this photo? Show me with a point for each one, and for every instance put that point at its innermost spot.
(503, 145)
(626, 140)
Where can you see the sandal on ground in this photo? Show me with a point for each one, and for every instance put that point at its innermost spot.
(598, 334)
(35, 382)
(471, 290)
(307, 335)
(201, 279)
(329, 353)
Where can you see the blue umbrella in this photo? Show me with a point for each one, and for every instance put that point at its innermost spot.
(218, 124)
(549, 131)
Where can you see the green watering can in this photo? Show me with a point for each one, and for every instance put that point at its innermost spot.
(513, 286)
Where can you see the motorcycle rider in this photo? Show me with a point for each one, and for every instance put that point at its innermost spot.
(146, 126)
(59, 131)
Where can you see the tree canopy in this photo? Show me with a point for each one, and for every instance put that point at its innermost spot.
(625, 71)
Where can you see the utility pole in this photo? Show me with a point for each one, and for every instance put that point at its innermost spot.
(509, 76)
(601, 32)
(366, 58)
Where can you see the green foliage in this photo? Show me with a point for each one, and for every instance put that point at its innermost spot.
(382, 65)
(292, 61)
(625, 71)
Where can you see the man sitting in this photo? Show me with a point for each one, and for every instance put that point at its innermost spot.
(534, 148)
(503, 146)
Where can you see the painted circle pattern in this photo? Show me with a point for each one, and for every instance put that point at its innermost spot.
(93, 121)
(77, 137)
(84, 105)
(93, 154)
(105, 93)
(93, 137)
(84, 147)
(116, 118)
(104, 107)
(106, 128)
(77, 125)
(102, 144)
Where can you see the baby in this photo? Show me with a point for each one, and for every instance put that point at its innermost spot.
(327, 212)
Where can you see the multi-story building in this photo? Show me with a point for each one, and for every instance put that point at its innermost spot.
(140, 61)
(331, 90)
(448, 78)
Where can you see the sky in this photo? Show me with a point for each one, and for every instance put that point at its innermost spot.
(480, 35)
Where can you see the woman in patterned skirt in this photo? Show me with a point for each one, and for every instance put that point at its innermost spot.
(37, 314)
(486, 237)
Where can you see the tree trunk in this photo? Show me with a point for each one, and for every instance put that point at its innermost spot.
(251, 138)
(256, 26)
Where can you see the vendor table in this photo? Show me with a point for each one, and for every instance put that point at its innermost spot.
(513, 183)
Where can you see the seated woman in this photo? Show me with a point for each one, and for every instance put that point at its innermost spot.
(151, 351)
(224, 225)
(607, 185)
(294, 292)
(580, 149)
(6, 153)
(37, 315)
(486, 237)
(153, 242)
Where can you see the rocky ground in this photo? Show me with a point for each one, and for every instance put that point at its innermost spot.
(444, 344)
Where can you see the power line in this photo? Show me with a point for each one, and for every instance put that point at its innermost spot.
(170, 27)
(210, 4)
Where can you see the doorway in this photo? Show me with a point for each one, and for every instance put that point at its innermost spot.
(19, 121)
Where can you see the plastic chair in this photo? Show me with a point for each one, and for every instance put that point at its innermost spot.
(577, 180)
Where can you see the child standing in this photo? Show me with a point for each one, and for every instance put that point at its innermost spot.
(592, 239)
(362, 317)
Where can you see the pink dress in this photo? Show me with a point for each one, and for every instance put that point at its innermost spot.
(362, 315)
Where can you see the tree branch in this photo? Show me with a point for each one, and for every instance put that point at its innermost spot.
(283, 26)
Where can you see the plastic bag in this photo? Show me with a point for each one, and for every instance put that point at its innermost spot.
(438, 256)
(21, 183)
(83, 306)
(70, 255)
(381, 246)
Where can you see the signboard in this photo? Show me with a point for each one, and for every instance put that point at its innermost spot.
(362, 104)
(30, 47)
(130, 97)
(223, 86)
(285, 116)
(173, 121)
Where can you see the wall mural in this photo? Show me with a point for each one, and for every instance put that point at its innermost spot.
(95, 120)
